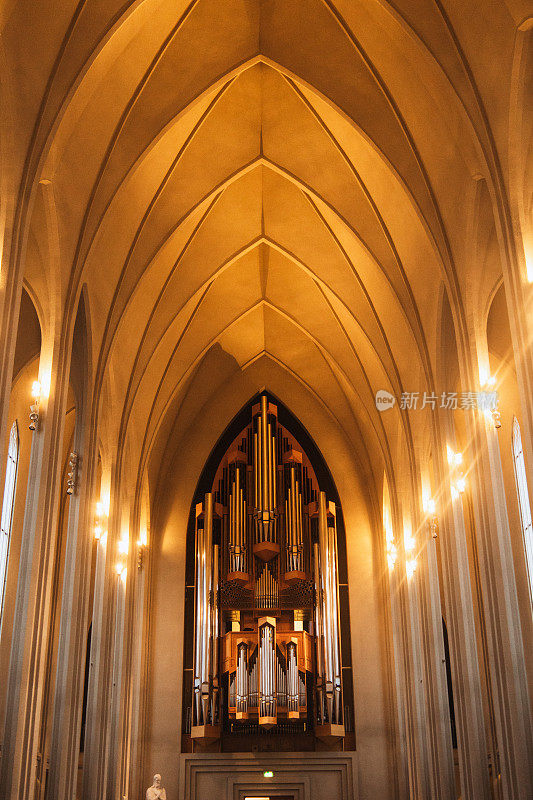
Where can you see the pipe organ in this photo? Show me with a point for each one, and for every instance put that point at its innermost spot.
(266, 636)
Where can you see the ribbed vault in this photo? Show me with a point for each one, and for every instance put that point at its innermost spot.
(265, 179)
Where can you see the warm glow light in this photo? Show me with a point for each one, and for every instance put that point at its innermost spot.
(410, 567)
(143, 539)
(457, 458)
(119, 568)
(36, 390)
(491, 381)
(408, 540)
(46, 380)
(431, 506)
(124, 574)
(460, 485)
(123, 547)
(100, 532)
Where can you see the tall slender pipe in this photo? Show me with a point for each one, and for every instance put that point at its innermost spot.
(264, 453)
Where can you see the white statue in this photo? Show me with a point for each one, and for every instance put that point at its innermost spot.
(156, 791)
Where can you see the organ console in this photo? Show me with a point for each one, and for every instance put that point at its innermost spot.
(266, 597)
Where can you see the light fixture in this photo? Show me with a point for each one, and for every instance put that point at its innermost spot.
(141, 544)
(431, 510)
(392, 552)
(268, 774)
(72, 473)
(34, 407)
(392, 555)
(100, 522)
(409, 542)
(123, 547)
(490, 402)
(458, 483)
(410, 567)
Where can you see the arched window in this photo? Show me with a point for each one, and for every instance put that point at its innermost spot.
(523, 499)
(7, 507)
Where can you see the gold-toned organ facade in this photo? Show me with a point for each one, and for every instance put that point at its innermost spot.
(267, 650)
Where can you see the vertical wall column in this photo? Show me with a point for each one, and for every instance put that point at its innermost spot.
(69, 685)
(33, 601)
(501, 613)
(101, 671)
(464, 658)
(438, 730)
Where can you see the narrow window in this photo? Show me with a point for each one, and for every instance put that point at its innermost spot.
(7, 507)
(523, 500)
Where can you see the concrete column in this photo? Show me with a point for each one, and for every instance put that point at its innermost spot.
(438, 731)
(100, 692)
(500, 612)
(69, 684)
(466, 681)
(33, 603)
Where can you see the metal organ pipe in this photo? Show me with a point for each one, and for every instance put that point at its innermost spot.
(292, 678)
(319, 635)
(332, 682)
(293, 523)
(267, 674)
(255, 586)
(265, 496)
(214, 639)
(206, 616)
(242, 677)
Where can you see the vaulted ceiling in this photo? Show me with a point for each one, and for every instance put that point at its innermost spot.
(277, 184)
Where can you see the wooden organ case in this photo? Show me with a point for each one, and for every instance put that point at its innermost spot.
(267, 641)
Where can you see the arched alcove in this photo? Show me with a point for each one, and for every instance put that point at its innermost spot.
(276, 584)
(186, 454)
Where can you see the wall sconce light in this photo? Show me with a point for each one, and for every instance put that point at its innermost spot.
(121, 570)
(458, 482)
(392, 555)
(141, 545)
(392, 551)
(100, 522)
(123, 547)
(72, 473)
(489, 402)
(431, 510)
(34, 407)
(410, 567)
